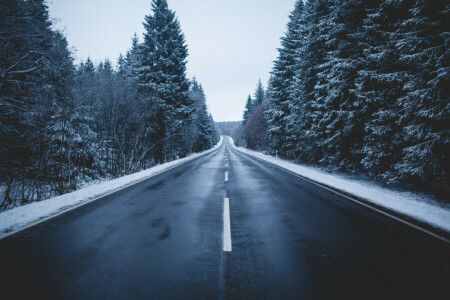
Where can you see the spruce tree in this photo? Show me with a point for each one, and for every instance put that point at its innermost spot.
(249, 107)
(57, 112)
(163, 76)
(303, 123)
(282, 75)
(215, 135)
(362, 85)
(380, 86)
(423, 42)
(204, 136)
(25, 45)
(340, 120)
(259, 94)
(133, 59)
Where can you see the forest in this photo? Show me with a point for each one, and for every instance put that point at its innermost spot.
(63, 125)
(360, 87)
(229, 128)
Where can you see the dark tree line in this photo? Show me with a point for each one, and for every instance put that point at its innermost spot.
(62, 125)
(362, 86)
(252, 134)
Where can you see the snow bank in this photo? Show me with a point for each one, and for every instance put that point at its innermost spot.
(418, 207)
(23, 216)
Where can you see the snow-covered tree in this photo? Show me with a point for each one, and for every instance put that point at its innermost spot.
(204, 135)
(249, 107)
(255, 128)
(163, 75)
(423, 43)
(362, 86)
(27, 70)
(302, 127)
(379, 87)
(279, 107)
(340, 121)
(259, 95)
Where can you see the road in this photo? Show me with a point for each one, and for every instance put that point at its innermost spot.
(168, 238)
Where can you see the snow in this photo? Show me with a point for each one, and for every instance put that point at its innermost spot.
(419, 207)
(23, 216)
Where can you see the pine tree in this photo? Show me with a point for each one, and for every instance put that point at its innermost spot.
(423, 42)
(121, 65)
(215, 135)
(61, 125)
(25, 44)
(282, 75)
(255, 129)
(249, 107)
(134, 59)
(58, 112)
(259, 94)
(205, 135)
(362, 86)
(379, 88)
(303, 123)
(340, 120)
(163, 75)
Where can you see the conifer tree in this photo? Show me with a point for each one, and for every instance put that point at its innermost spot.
(26, 45)
(379, 88)
(282, 75)
(259, 94)
(133, 59)
(423, 53)
(205, 135)
(303, 123)
(249, 107)
(57, 112)
(61, 125)
(163, 75)
(362, 85)
(340, 119)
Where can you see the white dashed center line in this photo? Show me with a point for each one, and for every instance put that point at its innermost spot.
(226, 226)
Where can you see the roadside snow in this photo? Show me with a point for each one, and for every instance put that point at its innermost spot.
(23, 216)
(410, 204)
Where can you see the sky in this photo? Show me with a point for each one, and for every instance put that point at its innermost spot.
(231, 43)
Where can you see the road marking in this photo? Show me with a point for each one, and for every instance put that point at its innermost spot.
(226, 226)
(354, 200)
(226, 175)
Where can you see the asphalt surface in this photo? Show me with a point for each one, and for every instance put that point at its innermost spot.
(163, 238)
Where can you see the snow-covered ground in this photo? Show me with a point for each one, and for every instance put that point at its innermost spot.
(416, 206)
(24, 216)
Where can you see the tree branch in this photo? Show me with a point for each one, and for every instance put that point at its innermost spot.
(25, 71)
(17, 63)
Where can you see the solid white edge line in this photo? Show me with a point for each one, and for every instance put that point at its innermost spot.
(226, 225)
(2, 236)
(354, 200)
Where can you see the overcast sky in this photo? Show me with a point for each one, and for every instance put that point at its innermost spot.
(231, 43)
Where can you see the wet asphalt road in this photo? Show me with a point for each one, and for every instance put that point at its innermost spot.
(163, 239)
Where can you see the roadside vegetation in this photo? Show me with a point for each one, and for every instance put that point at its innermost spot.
(63, 125)
(360, 87)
